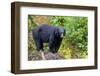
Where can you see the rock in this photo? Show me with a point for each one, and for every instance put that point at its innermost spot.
(51, 56)
(48, 56)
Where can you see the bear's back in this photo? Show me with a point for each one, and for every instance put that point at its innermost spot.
(45, 32)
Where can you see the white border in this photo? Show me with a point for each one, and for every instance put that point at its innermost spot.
(25, 64)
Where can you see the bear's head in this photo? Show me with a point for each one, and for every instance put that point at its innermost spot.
(60, 32)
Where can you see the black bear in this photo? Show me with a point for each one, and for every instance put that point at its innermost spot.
(48, 34)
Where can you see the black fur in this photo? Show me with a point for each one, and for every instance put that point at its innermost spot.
(48, 34)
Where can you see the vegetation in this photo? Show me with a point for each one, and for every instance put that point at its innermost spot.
(74, 44)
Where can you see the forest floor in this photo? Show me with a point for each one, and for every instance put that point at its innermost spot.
(48, 56)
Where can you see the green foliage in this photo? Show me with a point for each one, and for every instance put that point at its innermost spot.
(74, 44)
(76, 29)
(31, 23)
